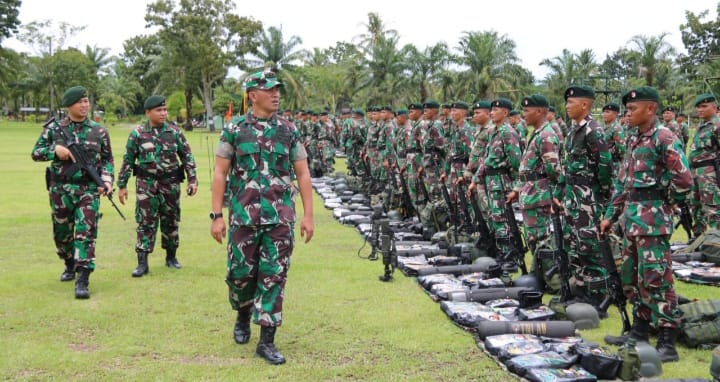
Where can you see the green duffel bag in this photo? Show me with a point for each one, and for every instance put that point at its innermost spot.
(710, 246)
(700, 333)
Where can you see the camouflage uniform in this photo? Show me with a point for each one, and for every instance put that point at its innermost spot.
(458, 148)
(703, 157)
(655, 174)
(499, 170)
(615, 138)
(433, 157)
(262, 211)
(326, 138)
(74, 199)
(413, 160)
(159, 174)
(588, 171)
(676, 129)
(481, 138)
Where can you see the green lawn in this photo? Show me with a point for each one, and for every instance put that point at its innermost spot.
(341, 323)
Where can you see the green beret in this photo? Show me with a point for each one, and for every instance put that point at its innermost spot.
(551, 109)
(266, 79)
(387, 108)
(612, 106)
(535, 100)
(415, 106)
(682, 115)
(579, 92)
(358, 112)
(669, 108)
(431, 104)
(154, 101)
(702, 98)
(446, 105)
(502, 102)
(513, 113)
(460, 105)
(642, 93)
(482, 104)
(72, 95)
(401, 112)
(324, 112)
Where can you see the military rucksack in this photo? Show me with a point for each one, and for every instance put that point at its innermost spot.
(710, 246)
(700, 323)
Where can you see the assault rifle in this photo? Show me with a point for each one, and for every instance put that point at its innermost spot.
(615, 288)
(406, 199)
(452, 214)
(560, 258)
(686, 221)
(486, 241)
(517, 247)
(82, 161)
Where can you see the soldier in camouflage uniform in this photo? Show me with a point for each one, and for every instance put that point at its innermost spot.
(668, 120)
(371, 153)
(355, 140)
(152, 153)
(74, 196)
(704, 159)
(614, 134)
(457, 147)
(587, 178)
(262, 153)
(654, 177)
(516, 122)
(539, 172)
(326, 142)
(499, 171)
(413, 154)
(557, 118)
(433, 149)
(481, 138)
(684, 126)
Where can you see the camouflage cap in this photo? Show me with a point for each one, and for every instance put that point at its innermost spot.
(264, 80)
(612, 106)
(702, 98)
(74, 94)
(154, 101)
(482, 104)
(579, 92)
(460, 105)
(415, 106)
(641, 93)
(535, 100)
(502, 102)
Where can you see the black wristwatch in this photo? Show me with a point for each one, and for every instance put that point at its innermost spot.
(216, 215)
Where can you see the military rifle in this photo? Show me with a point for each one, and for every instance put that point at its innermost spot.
(615, 288)
(562, 265)
(486, 240)
(82, 161)
(686, 221)
(467, 225)
(452, 216)
(406, 199)
(517, 247)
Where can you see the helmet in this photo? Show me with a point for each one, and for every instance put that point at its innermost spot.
(585, 316)
(486, 262)
(650, 363)
(528, 281)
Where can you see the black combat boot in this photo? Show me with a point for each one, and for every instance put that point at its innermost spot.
(171, 259)
(82, 283)
(639, 331)
(666, 345)
(69, 272)
(241, 331)
(266, 347)
(142, 268)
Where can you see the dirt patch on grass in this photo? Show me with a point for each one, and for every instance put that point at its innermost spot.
(84, 348)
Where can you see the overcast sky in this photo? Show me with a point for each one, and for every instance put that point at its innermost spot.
(540, 29)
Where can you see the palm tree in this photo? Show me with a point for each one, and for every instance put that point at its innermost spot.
(375, 32)
(568, 69)
(650, 52)
(486, 55)
(101, 59)
(426, 67)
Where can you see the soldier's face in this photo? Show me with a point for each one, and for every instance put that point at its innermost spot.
(533, 115)
(265, 101)
(324, 118)
(609, 116)
(415, 114)
(668, 116)
(551, 115)
(430, 113)
(498, 114)
(706, 110)
(576, 107)
(515, 119)
(680, 119)
(79, 110)
(157, 116)
(639, 113)
(481, 116)
(402, 118)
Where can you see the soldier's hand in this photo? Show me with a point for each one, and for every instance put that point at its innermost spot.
(443, 177)
(556, 205)
(605, 226)
(307, 228)
(511, 197)
(122, 195)
(471, 187)
(217, 229)
(192, 189)
(104, 190)
(63, 153)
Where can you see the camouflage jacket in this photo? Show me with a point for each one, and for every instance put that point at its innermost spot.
(327, 132)
(262, 154)
(540, 168)
(588, 155)
(403, 140)
(675, 128)
(156, 151)
(93, 138)
(477, 151)
(458, 148)
(655, 163)
(374, 129)
(706, 147)
(502, 159)
(522, 131)
(615, 138)
(434, 144)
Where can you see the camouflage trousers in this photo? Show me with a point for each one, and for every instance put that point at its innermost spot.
(580, 236)
(74, 210)
(647, 279)
(432, 182)
(707, 200)
(257, 266)
(497, 222)
(157, 203)
(329, 156)
(537, 228)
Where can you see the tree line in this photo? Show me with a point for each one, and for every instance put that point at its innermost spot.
(196, 43)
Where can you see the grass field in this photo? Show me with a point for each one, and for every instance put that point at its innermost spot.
(340, 323)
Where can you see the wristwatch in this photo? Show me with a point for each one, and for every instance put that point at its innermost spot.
(215, 215)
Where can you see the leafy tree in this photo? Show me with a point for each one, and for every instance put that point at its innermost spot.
(201, 39)
(486, 56)
(118, 91)
(649, 54)
(701, 38)
(426, 66)
(9, 21)
(73, 68)
(142, 56)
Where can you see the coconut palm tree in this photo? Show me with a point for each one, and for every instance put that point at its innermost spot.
(650, 53)
(485, 56)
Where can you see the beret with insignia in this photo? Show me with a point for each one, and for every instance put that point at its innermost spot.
(502, 102)
(579, 92)
(154, 101)
(431, 104)
(535, 100)
(641, 93)
(415, 106)
(460, 105)
(482, 104)
(702, 98)
(74, 94)
(401, 112)
(612, 107)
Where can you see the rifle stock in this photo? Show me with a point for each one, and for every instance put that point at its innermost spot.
(517, 247)
(561, 260)
(616, 293)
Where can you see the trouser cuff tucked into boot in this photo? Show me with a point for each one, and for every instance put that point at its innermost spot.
(241, 331)
(266, 347)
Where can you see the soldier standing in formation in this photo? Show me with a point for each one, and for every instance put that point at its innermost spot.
(151, 154)
(74, 196)
(653, 179)
(262, 154)
(705, 163)
(614, 135)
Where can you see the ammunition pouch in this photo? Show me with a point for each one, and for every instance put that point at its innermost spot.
(704, 163)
